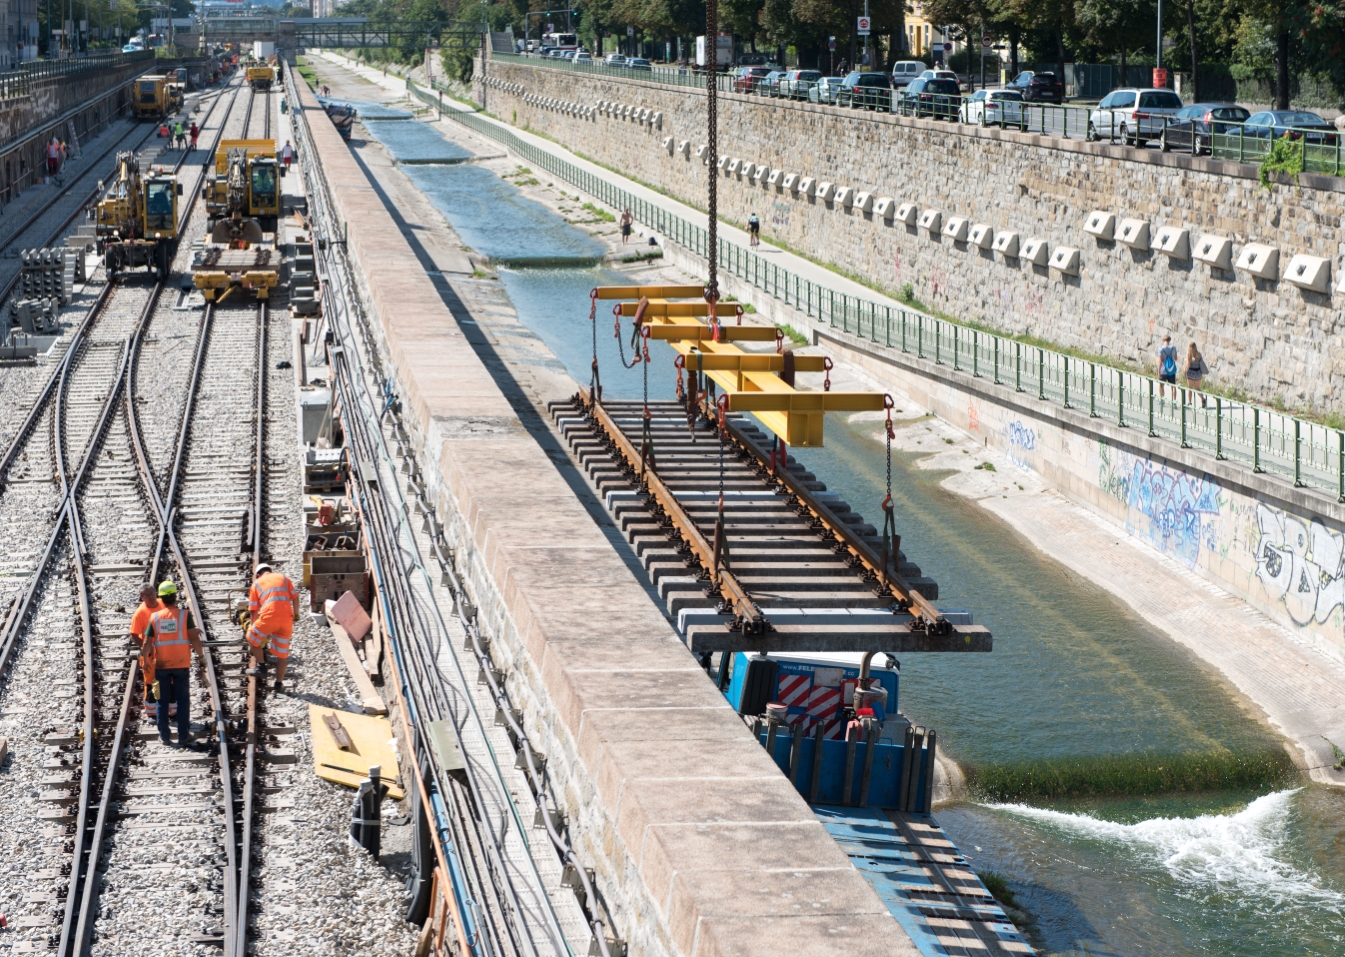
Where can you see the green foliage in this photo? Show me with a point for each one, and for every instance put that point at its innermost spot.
(1131, 774)
(599, 213)
(306, 71)
(988, 466)
(794, 336)
(998, 886)
(1285, 156)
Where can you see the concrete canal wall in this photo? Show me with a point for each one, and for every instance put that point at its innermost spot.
(1270, 338)
(700, 846)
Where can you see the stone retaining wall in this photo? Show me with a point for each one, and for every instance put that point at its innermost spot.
(1270, 338)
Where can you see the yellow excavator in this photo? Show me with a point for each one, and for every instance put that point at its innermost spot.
(136, 221)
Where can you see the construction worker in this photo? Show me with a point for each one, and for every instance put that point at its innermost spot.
(194, 132)
(149, 604)
(53, 156)
(287, 154)
(273, 608)
(174, 637)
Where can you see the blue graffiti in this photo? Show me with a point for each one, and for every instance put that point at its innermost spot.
(1177, 506)
(1022, 439)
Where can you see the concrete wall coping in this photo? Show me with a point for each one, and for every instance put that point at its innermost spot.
(702, 847)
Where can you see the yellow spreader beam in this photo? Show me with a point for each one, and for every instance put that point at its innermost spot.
(750, 379)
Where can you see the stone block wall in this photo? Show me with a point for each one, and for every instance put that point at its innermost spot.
(1269, 338)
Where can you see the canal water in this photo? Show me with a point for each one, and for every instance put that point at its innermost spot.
(1209, 850)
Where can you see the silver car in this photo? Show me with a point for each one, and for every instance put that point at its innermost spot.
(825, 90)
(797, 83)
(992, 108)
(1133, 116)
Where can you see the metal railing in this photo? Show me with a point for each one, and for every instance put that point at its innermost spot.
(22, 82)
(1305, 453)
(1227, 140)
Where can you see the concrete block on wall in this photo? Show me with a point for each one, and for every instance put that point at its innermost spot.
(908, 213)
(1174, 241)
(885, 207)
(775, 176)
(1215, 251)
(1261, 261)
(807, 186)
(761, 173)
(723, 161)
(864, 202)
(668, 143)
(1309, 272)
(1134, 233)
(734, 165)
(790, 182)
(825, 191)
(845, 196)
(931, 219)
(980, 235)
(657, 121)
(702, 153)
(1065, 260)
(684, 147)
(747, 169)
(1035, 251)
(1006, 243)
(956, 228)
(1100, 224)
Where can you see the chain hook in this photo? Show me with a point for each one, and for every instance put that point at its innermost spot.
(888, 406)
(826, 382)
(722, 405)
(779, 342)
(740, 315)
(679, 363)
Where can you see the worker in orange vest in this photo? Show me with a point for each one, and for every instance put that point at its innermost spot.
(174, 636)
(149, 604)
(273, 608)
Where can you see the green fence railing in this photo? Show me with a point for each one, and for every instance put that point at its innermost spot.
(1306, 453)
(22, 82)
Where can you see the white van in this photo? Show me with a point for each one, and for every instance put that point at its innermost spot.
(1134, 116)
(905, 71)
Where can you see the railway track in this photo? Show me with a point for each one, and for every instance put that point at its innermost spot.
(805, 565)
(110, 794)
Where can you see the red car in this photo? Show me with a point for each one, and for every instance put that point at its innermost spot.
(748, 78)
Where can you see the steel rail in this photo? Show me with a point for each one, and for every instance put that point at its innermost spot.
(34, 413)
(254, 546)
(730, 589)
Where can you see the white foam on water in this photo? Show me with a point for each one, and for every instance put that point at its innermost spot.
(1242, 852)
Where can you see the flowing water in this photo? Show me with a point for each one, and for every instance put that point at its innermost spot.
(1211, 854)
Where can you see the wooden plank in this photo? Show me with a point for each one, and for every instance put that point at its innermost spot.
(370, 745)
(370, 699)
(373, 646)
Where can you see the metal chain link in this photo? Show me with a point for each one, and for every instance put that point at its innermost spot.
(712, 147)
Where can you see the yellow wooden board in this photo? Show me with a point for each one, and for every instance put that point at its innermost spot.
(370, 744)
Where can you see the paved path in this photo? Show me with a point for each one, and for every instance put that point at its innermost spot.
(1299, 690)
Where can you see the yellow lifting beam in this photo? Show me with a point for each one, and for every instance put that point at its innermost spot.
(750, 380)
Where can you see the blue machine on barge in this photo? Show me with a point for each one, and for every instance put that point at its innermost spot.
(869, 776)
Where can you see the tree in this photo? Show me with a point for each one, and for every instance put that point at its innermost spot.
(1117, 25)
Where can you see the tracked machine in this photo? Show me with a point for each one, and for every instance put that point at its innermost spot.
(242, 198)
(136, 221)
(261, 76)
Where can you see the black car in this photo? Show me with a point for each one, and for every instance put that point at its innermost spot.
(1201, 121)
(940, 99)
(1038, 87)
(869, 91)
(1291, 124)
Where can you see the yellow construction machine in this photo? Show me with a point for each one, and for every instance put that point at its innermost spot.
(242, 197)
(261, 76)
(155, 96)
(136, 221)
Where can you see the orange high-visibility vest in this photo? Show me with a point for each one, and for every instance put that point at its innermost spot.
(271, 605)
(171, 647)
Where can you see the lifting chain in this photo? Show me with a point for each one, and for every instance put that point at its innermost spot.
(712, 155)
(634, 340)
(595, 381)
(721, 549)
(890, 539)
(647, 433)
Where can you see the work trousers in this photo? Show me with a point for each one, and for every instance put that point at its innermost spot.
(173, 688)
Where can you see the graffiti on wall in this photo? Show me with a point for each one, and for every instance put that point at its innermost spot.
(1177, 513)
(1021, 441)
(1300, 564)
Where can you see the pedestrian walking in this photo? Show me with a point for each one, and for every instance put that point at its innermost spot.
(179, 136)
(754, 230)
(626, 220)
(273, 607)
(174, 637)
(149, 604)
(1167, 368)
(1196, 370)
(287, 155)
(53, 156)
(194, 132)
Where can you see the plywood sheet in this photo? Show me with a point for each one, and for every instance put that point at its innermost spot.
(371, 739)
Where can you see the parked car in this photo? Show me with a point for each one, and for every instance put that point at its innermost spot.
(1135, 116)
(797, 83)
(940, 99)
(826, 90)
(582, 57)
(905, 71)
(639, 63)
(869, 91)
(769, 85)
(1201, 120)
(992, 108)
(1038, 87)
(746, 78)
(938, 75)
(614, 59)
(1294, 124)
